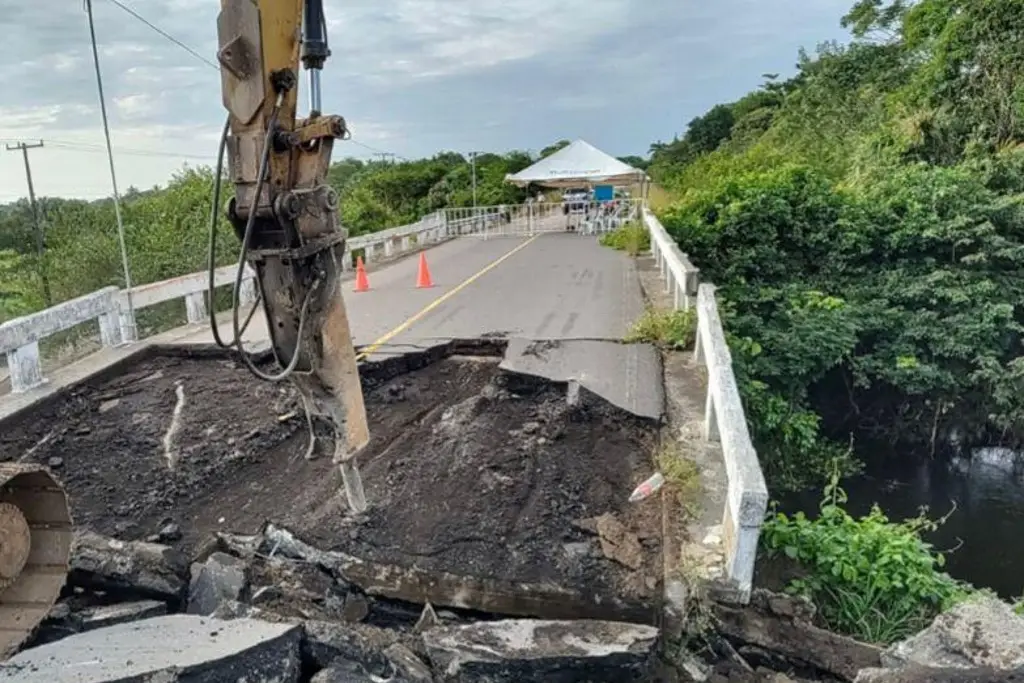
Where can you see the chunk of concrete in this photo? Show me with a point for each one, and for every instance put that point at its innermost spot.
(915, 673)
(166, 649)
(979, 632)
(232, 609)
(408, 667)
(523, 649)
(327, 642)
(222, 577)
(92, 618)
(779, 624)
(146, 569)
(344, 672)
(982, 637)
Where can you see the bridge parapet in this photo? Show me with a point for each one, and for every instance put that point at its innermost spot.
(724, 419)
(20, 337)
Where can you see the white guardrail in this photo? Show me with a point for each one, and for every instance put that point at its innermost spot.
(724, 419)
(19, 338)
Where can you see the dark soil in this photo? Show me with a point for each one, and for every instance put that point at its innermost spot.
(470, 470)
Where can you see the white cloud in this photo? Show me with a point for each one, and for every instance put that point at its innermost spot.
(136, 106)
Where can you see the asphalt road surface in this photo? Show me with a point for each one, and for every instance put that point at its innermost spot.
(553, 286)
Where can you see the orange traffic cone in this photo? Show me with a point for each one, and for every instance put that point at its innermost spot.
(423, 276)
(362, 282)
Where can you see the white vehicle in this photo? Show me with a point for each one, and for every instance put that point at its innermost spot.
(575, 201)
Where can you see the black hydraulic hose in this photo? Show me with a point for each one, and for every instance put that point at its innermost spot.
(249, 224)
(212, 252)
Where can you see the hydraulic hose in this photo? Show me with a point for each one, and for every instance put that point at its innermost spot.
(212, 252)
(249, 225)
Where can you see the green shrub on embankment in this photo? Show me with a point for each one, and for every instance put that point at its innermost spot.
(864, 223)
(631, 238)
(670, 330)
(870, 578)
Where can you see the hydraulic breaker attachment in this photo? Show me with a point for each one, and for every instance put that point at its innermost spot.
(285, 213)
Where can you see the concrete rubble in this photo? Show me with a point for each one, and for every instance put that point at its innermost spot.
(523, 650)
(146, 569)
(273, 608)
(221, 577)
(981, 639)
(165, 649)
(783, 625)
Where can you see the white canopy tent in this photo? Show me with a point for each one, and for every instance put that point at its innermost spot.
(577, 165)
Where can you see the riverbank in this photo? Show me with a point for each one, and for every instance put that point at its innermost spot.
(980, 495)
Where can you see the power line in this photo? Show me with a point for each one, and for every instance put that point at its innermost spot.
(206, 61)
(165, 34)
(76, 146)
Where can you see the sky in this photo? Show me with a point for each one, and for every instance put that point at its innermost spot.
(411, 77)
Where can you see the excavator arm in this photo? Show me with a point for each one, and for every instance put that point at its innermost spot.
(284, 212)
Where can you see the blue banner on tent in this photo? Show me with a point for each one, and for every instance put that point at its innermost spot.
(604, 193)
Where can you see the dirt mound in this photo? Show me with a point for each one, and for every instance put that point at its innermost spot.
(470, 471)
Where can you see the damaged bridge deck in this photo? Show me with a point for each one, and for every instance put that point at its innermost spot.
(490, 490)
(509, 425)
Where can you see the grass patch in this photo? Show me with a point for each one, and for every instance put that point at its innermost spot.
(631, 238)
(673, 330)
(682, 477)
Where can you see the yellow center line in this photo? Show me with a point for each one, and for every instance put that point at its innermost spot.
(369, 349)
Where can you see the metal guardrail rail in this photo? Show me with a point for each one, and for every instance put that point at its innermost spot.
(532, 218)
(724, 419)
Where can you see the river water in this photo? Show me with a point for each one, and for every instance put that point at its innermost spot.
(985, 532)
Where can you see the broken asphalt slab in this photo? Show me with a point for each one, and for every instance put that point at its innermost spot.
(628, 376)
(168, 648)
(514, 650)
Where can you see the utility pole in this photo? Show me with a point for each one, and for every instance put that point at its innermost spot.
(384, 157)
(472, 156)
(36, 223)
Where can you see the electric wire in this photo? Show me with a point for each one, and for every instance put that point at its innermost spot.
(78, 146)
(165, 34)
(184, 46)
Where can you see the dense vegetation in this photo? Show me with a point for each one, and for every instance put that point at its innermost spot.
(871, 578)
(167, 227)
(864, 225)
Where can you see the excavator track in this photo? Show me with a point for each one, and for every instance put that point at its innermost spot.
(35, 550)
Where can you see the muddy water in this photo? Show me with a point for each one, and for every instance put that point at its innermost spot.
(985, 530)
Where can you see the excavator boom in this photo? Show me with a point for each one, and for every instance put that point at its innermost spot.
(284, 212)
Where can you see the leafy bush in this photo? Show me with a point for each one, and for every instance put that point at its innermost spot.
(887, 310)
(674, 330)
(871, 578)
(631, 238)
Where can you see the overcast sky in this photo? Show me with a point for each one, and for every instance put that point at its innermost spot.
(411, 77)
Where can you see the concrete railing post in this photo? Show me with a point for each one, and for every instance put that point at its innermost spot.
(110, 329)
(195, 308)
(247, 295)
(129, 329)
(26, 371)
